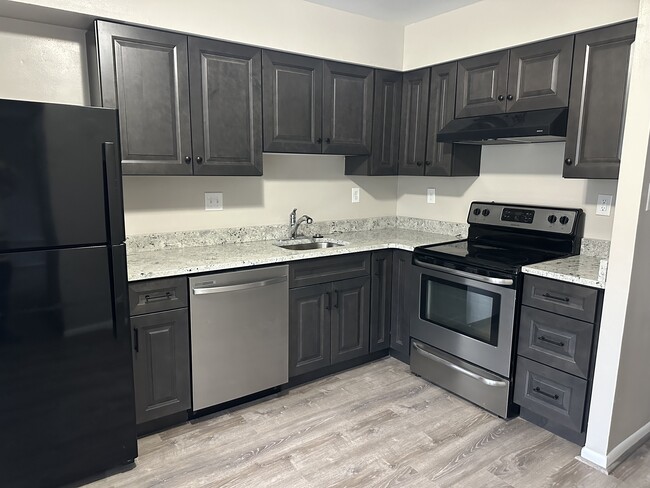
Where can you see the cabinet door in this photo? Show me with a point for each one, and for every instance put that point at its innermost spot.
(161, 364)
(597, 104)
(482, 84)
(413, 133)
(380, 299)
(292, 98)
(350, 319)
(226, 98)
(386, 123)
(539, 75)
(347, 108)
(445, 159)
(144, 74)
(405, 299)
(309, 328)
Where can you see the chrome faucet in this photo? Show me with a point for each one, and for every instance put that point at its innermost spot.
(295, 223)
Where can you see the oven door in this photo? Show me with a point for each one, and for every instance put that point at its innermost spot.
(466, 315)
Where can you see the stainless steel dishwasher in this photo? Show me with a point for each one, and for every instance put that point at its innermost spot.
(239, 323)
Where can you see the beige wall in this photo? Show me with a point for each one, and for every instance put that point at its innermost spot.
(291, 25)
(620, 405)
(490, 25)
(313, 184)
(528, 173)
(42, 62)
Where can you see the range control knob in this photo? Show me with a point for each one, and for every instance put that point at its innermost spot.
(552, 219)
(564, 220)
(477, 211)
(486, 212)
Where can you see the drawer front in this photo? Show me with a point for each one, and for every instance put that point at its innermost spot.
(557, 341)
(157, 295)
(553, 394)
(578, 302)
(324, 270)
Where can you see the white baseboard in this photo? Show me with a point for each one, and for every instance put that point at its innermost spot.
(617, 455)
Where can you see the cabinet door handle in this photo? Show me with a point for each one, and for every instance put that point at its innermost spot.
(336, 296)
(427, 163)
(328, 140)
(319, 140)
(199, 160)
(136, 340)
(537, 389)
(329, 301)
(568, 161)
(550, 341)
(500, 98)
(510, 97)
(418, 163)
(553, 297)
(188, 159)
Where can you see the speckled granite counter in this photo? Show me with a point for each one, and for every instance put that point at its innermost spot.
(189, 260)
(581, 269)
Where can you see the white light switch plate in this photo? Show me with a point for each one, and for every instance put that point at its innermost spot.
(604, 205)
(355, 195)
(431, 195)
(214, 201)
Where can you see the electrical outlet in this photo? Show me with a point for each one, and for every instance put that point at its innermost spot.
(431, 195)
(213, 201)
(604, 205)
(355, 195)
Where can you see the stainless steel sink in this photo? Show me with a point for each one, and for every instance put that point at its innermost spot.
(309, 245)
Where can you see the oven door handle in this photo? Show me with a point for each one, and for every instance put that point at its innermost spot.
(465, 274)
(460, 369)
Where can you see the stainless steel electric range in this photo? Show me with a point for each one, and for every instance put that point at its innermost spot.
(469, 290)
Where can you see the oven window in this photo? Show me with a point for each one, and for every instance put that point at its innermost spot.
(464, 309)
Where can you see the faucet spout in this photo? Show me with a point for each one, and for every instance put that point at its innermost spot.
(295, 224)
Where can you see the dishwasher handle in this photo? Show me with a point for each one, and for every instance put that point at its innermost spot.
(238, 287)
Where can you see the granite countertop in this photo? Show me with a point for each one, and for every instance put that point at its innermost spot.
(189, 260)
(581, 269)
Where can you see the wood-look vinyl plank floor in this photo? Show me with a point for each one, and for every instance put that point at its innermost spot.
(374, 426)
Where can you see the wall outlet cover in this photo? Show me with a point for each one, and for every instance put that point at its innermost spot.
(431, 195)
(355, 195)
(214, 201)
(604, 205)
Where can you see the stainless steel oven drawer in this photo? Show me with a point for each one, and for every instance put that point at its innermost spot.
(557, 396)
(560, 342)
(475, 384)
(578, 302)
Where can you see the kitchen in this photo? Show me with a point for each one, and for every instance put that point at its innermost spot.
(161, 204)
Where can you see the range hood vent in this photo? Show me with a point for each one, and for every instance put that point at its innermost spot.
(513, 128)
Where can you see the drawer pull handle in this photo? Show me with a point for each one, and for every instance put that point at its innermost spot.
(158, 298)
(553, 297)
(537, 389)
(550, 341)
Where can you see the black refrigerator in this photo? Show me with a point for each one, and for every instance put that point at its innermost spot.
(66, 373)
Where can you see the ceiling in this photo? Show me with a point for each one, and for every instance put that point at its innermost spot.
(399, 11)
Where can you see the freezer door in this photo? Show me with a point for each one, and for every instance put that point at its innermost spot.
(55, 170)
(66, 380)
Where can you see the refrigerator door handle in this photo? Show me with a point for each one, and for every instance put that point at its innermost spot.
(114, 202)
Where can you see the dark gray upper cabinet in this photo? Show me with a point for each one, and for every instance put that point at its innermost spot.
(161, 364)
(482, 85)
(380, 299)
(347, 108)
(445, 159)
(144, 74)
(415, 105)
(226, 101)
(350, 319)
(598, 100)
(539, 75)
(292, 101)
(387, 108)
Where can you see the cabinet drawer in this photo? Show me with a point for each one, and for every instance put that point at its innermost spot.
(567, 299)
(554, 340)
(558, 396)
(334, 268)
(157, 295)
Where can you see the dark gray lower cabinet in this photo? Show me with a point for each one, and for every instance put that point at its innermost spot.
(161, 364)
(309, 328)
(350, 319)
(380, 299)
(405, 290)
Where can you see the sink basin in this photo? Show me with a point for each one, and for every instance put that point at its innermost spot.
(309, 245)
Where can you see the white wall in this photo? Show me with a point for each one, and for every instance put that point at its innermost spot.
(490, 25)
(314, 184)
(620, 404)
(528, 173)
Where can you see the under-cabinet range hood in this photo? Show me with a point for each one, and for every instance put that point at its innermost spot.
(512, 128)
